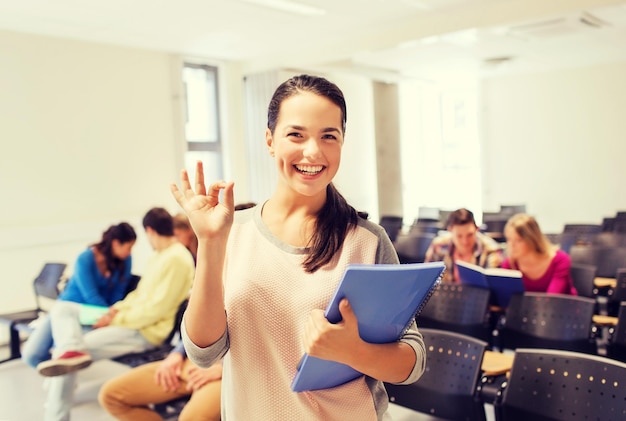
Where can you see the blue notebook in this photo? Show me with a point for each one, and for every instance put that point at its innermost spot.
(385, 299)
(502, 282)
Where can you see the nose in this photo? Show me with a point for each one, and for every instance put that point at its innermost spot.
(311, 148)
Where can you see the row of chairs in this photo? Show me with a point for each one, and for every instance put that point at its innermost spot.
(532, 320)
(543, 384)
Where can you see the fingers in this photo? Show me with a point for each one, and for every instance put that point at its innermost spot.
(186, 193)
(200, 188)
(229, 196)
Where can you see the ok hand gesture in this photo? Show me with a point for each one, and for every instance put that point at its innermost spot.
(208, 216)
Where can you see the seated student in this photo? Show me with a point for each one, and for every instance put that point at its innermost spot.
(141, 321)
(126, 397)
(464, 243)
(544, 268)
(101, 276)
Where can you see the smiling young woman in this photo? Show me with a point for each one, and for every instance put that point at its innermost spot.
(264, 275)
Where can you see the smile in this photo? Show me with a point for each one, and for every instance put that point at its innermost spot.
(309, 169)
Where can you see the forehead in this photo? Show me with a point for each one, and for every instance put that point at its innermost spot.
(307, 105)
(468, 228)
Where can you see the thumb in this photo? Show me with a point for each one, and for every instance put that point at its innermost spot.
(347, 314)
(229, 197)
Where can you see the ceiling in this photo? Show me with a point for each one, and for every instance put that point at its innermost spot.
(386, 39)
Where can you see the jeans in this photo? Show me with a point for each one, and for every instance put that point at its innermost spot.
(102, 343)
(38, 346)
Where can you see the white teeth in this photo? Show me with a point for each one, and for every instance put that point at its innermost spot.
(309, 169)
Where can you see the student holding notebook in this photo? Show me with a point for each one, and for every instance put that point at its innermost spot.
(463, 243)
(265, 275)
(544, 268)
(100, 277)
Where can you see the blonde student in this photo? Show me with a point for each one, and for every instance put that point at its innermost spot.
(265, 275)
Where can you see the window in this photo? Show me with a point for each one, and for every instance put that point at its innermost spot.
(202, 130)
(441, 160)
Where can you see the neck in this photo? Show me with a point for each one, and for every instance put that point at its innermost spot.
(163, 242)
(529, 259)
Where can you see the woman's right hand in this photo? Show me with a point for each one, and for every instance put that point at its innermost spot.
(208, 216)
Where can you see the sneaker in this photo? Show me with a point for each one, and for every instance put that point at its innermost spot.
(69, 362)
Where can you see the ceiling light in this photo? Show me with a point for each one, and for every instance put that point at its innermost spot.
(289, 6)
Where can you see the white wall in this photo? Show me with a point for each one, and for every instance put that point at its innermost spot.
(91, 136)
(556, 141)
(356, 178)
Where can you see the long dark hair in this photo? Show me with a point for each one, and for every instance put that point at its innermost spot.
(122, 232)
(337, 217)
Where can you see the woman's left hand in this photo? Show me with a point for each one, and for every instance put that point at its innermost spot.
(329, 341)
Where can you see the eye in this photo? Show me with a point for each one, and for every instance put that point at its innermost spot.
(329, 136)
(294, 134)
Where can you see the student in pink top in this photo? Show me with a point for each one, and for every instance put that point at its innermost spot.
(544, 268)
(265, 275)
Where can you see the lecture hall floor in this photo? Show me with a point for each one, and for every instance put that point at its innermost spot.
(22, 393)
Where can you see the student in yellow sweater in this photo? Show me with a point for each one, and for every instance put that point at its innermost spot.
(141, 321)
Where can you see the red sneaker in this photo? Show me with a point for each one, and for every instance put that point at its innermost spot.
(69, 362)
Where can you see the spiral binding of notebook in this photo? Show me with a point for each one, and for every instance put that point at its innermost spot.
(425, 300)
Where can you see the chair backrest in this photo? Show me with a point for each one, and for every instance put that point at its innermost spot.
(582, 277)
(610, 239)
(448, 387)
(616, 344)
(583, 228)
(569, 239)
(560, 385)
(607, 224)
(617, 294)
(425, 226)
(175, 332)
(606, 259)
(132, 284)
(512, 209)
(555, 321)
(411, 248)
(458, 308)
(46, 284)
(392, 225)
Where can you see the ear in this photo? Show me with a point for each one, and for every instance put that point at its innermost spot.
(269, 141)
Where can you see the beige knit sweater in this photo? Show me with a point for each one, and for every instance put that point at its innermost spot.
(268, 297)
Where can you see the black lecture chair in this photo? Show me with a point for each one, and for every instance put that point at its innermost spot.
(582, 277)
(553, 385)
(555, 321)
(458, 308)
(448, 388)
(616, 343)
(411, 248)
(617, 295)
(606, 259)
(135, 359)
(610, 239)
(512, 209)
(46, 286)
(392, 225)
(583, 228)
(421, 225)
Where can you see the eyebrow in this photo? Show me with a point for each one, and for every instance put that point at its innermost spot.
(324, 130)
